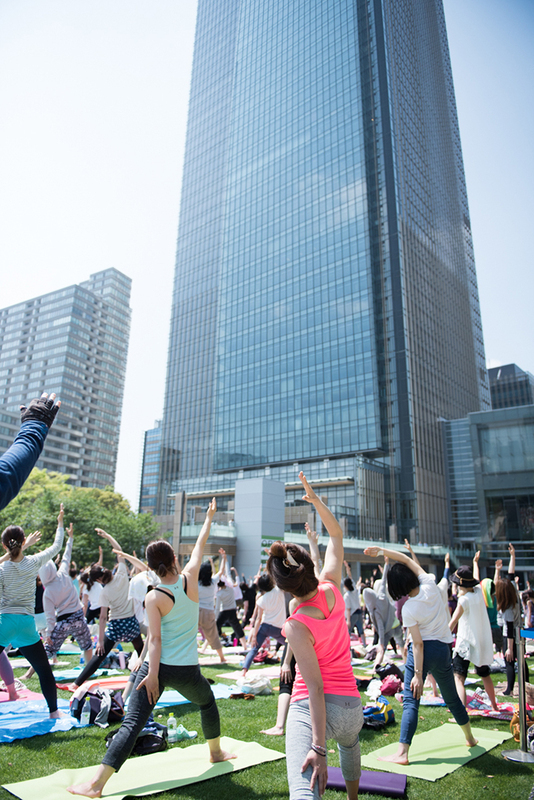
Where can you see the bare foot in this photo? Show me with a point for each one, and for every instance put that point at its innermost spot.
(395, 758)
(471, 742)
(274, 731)
(85, 789)
(215, 758)
(13, 695)
(58, 714)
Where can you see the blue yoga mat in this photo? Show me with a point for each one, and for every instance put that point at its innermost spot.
(171, 697)
(72, 674)
(23, 719)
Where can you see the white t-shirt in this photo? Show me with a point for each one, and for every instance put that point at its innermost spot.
(115, 595)
(427, 611)
(206, 595)
(352, 601)
(137, 592)
(473, 639)
(273, 605)
(93, 594)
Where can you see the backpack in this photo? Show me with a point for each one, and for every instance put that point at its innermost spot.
(378, 715)
(391, 685)
(383, 670)
(103, 707)
(152, 739)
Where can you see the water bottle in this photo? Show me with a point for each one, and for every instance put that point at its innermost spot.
(82, 661)
(85, 716)
(172, 728)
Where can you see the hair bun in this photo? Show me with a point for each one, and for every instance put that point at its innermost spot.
(278, 550)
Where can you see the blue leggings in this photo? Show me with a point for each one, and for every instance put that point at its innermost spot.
(265, 630)
(437, 660)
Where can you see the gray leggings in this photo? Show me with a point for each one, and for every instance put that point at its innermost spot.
(187, 680)
(342, 724)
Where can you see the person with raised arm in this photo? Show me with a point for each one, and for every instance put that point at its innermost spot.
(353, 606)
(17, 602)
(172, 610)
(473, 639)
(123, 625)
(429, 651)
(19, 459)
(325, 703)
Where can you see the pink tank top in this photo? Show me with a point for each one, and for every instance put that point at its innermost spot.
(332, 646)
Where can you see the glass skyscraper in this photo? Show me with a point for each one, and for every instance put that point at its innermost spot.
(325, 306)
(74, 342)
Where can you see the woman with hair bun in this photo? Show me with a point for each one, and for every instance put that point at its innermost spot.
(172, 610)
(325, 703)
(17, 602)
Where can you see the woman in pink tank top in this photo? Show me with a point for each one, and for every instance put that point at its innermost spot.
(325, 703)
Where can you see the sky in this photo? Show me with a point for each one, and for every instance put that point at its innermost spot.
(93, 110)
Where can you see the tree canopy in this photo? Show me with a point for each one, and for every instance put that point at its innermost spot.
(37, 505)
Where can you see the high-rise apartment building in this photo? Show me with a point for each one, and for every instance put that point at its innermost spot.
(325, 308)
(510, 386)
(75, 342)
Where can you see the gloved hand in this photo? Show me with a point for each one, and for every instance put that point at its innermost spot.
(44, 409)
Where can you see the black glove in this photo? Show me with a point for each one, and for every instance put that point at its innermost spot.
(43, 410)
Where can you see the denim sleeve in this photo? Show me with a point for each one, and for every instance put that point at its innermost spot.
(19, 460)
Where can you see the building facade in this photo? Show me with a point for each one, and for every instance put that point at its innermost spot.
(150, 469)
(490, 470)
(325, 308)
(74, 342)
(510, 386)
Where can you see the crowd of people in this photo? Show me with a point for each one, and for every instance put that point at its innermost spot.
(313, 609)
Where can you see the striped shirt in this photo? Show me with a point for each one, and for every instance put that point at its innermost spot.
(17, 579)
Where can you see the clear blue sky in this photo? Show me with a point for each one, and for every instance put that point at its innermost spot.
(93, 102)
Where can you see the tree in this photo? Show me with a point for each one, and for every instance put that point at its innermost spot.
(37, 505)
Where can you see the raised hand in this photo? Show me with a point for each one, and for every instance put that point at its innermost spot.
(32, 539)
(71, 530)
(212, 508)
(43, 409)
(310, 495)
(312, 535)
(60, 515)
(476, 556)
(373, 551)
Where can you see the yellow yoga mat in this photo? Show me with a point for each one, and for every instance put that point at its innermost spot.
(174, 767)
(435, 753)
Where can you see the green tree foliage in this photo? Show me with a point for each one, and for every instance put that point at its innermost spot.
(37, 506)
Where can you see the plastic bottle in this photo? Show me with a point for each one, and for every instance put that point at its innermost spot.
(82, 661)
(172, 728)
(122, 660)
(85, 716)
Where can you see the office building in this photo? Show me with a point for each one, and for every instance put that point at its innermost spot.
(325, 307)
(510, 386)
(150, 469)
(73, 341)
(490, 475)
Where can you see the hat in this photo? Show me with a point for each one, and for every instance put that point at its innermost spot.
(464, 577)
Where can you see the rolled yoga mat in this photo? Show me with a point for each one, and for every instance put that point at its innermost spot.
(150, 774)
(384, 783)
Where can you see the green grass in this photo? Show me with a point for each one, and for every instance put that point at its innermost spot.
(42, 755)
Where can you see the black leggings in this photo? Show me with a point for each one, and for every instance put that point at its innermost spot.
(229, 617)
(36, 655)
(510, 672)
(95, 662)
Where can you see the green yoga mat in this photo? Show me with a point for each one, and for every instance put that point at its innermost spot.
(174, 767)
(435, 753)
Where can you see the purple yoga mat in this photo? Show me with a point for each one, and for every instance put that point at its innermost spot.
(387, 783)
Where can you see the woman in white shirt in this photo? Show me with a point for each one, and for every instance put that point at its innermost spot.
(474, 642)
(270, 618)
(429, 651)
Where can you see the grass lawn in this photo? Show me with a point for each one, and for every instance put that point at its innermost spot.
(488, 775)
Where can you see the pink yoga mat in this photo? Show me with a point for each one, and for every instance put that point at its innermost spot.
(24, 694)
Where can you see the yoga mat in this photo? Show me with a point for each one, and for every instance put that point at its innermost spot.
(71, 650)
(387, 784)
(72, 674)
(115, 682)
(149, 774)
(171, 697)
(437, 752)
(271, 672)
(23, 663)
(23, 719)
(24, 694)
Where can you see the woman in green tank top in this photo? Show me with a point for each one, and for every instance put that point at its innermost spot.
(172, 611)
